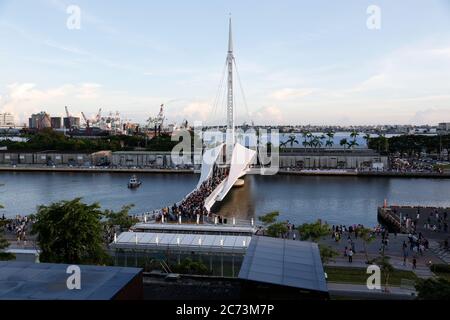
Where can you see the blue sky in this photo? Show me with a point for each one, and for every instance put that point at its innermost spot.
(300, 62)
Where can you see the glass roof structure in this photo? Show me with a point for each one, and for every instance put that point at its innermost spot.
(182, 242)
(284, 262)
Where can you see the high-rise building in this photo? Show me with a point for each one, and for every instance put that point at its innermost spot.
(7, 120)
(444, 127)
(56, 122)
(71, 122)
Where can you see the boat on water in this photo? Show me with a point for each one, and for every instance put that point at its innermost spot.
(134, 182)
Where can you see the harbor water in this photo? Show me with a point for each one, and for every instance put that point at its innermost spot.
(337, 200)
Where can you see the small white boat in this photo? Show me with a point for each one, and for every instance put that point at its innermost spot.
(134, 182)
(239, 183)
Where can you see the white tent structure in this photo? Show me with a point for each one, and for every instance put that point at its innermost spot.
(210, 157)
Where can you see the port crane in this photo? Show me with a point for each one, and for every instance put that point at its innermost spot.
(69, 118)
(157, 122)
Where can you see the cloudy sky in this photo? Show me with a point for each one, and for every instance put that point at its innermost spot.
(300, 62)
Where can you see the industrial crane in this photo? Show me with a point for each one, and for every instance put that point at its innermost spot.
(88, 122)
(158, 121)
(69, 118)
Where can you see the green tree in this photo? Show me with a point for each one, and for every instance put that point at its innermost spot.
(291, 140)
(120, 218)
(367, 237)
(386, 269)
(330, 142)
(354, 134)
(188, 266)
(433, 289)
(277, 229)
(269, 218)
(70, 232)
(367, 138)
(4, 244)
(327, 253)
(343, 142)
(313, 231)
(306, 135)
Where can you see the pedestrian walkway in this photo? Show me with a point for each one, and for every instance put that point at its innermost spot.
(440, 252)
(361, 291)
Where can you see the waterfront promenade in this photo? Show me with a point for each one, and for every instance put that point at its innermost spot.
(281, 171)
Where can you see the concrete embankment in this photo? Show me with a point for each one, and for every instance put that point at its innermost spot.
(344, 173)
(94, 170)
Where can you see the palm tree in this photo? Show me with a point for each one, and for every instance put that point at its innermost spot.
(330, 135)
(343, 142)
(354, 134)
(352, 144)
(321, 138)
(305, 135)
(315, 141)
(292, 140)
(367, 138)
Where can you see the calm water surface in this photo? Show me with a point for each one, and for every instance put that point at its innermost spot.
(298, 198)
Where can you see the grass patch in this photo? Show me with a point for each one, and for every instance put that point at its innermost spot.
(359, 275)
(444, 275)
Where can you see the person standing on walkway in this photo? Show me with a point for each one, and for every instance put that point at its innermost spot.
(350, 255)
(414, 262)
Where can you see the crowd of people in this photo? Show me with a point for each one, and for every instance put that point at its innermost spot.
(194, 203)
(404, 165)
(435, 221)
(18, 226)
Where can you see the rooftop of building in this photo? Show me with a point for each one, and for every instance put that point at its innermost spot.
(44, 281)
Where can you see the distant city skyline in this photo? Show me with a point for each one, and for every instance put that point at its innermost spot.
(300, 62)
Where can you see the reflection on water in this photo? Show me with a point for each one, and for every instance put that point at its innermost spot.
(298, 198)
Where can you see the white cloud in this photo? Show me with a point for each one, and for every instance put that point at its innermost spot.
(197, 111)
(291, 93)
(431, 115)
(268, 115)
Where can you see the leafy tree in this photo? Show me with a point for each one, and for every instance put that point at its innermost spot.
(120, 218)
(386, 269)
(291, 140)
(354, 134)
(4, 244)
(269, 218)
(330, 142)
(433, 289)
(367, 138)
(327, 253)
(277, 229)
(343, 142)
(367, 237)
(70, 232)
(188, 266)
(313, 231)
